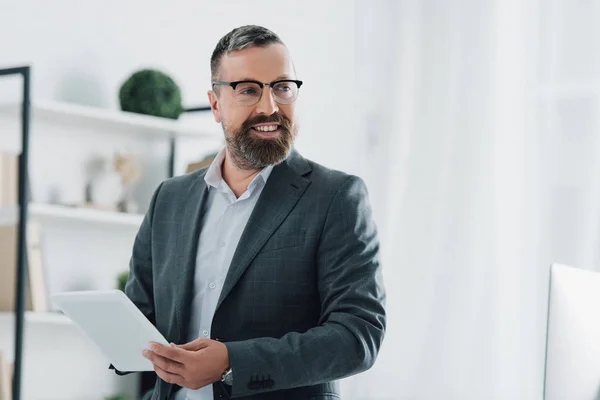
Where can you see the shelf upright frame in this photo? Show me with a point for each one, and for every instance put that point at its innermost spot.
(21, 276)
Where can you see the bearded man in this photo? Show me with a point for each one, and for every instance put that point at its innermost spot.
(263, 269)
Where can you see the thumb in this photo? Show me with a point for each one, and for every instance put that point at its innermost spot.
(196, 344)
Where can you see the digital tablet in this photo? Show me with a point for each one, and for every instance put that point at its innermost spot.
(114, 323)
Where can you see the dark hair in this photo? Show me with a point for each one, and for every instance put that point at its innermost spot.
(240, 38)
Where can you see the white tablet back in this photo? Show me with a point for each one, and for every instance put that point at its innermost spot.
(114, 323)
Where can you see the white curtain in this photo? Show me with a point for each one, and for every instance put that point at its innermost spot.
(482, 141)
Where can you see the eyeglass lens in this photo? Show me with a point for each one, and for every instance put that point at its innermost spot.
(248, 93)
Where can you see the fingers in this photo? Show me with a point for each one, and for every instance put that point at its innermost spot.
(196, 344)
(164, 363)
(171, 352)
(168, 377)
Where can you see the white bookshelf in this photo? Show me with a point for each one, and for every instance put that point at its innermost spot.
(57, 214)
(44, 318)
(86, 248)
(60, 113)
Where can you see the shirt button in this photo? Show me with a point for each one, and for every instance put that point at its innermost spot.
(221, 244)
(212, 285)
(205, 332)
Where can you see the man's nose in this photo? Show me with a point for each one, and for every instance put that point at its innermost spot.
(266, 104)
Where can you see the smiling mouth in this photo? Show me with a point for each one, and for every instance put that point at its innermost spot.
(267, 130)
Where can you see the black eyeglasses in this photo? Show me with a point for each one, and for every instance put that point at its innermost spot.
(249, 92)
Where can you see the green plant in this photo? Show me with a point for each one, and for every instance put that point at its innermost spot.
(151, 92)
(117, 397)
(122, 280)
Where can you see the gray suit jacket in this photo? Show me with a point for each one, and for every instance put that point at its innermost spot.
(303, 301)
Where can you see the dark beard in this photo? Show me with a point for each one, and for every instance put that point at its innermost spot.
(249, 152)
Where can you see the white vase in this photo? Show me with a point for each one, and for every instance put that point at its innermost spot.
(106, 189)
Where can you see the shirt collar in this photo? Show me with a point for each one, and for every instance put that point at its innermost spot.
(214, 174)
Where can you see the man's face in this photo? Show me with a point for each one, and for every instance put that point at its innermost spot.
(251, 141)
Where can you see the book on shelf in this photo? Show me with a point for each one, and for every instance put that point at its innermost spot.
(6, 372)
(36, 289)
(9, 172)
(205, 162)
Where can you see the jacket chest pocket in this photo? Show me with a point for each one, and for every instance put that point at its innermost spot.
(284, 240)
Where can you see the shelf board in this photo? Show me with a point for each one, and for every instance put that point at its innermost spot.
(47, 318)
(57, 213)
(116, 120)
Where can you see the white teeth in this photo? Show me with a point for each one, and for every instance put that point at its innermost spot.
(266, 128)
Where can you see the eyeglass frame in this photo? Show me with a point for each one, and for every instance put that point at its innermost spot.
(261, 85)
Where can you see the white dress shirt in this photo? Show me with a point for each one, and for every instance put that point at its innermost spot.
(224, 222)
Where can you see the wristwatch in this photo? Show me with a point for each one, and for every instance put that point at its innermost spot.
(227, 377)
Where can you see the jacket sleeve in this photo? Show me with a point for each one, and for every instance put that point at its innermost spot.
(353, 321)
(139, 287)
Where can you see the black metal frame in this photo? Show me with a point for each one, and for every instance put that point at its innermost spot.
(199, 108)
(21, 241)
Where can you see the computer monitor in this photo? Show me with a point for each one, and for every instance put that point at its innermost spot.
(572, 367)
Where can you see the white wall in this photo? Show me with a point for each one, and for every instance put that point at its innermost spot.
(83, 51)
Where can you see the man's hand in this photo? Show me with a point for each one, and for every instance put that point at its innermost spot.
(192, 365)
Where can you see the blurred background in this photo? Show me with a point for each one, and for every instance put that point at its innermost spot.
(474, 124)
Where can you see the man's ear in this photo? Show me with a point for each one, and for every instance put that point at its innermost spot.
(214, 104)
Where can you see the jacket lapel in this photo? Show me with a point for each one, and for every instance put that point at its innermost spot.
(188, 238)
(283, 189)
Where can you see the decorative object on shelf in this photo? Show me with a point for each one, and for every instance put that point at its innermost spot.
(104, 188)
(122, 280)
(130, 171)
(151, 92)
(110, 183)
(54, 195)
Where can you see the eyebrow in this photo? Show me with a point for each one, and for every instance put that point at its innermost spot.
(280, 77)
